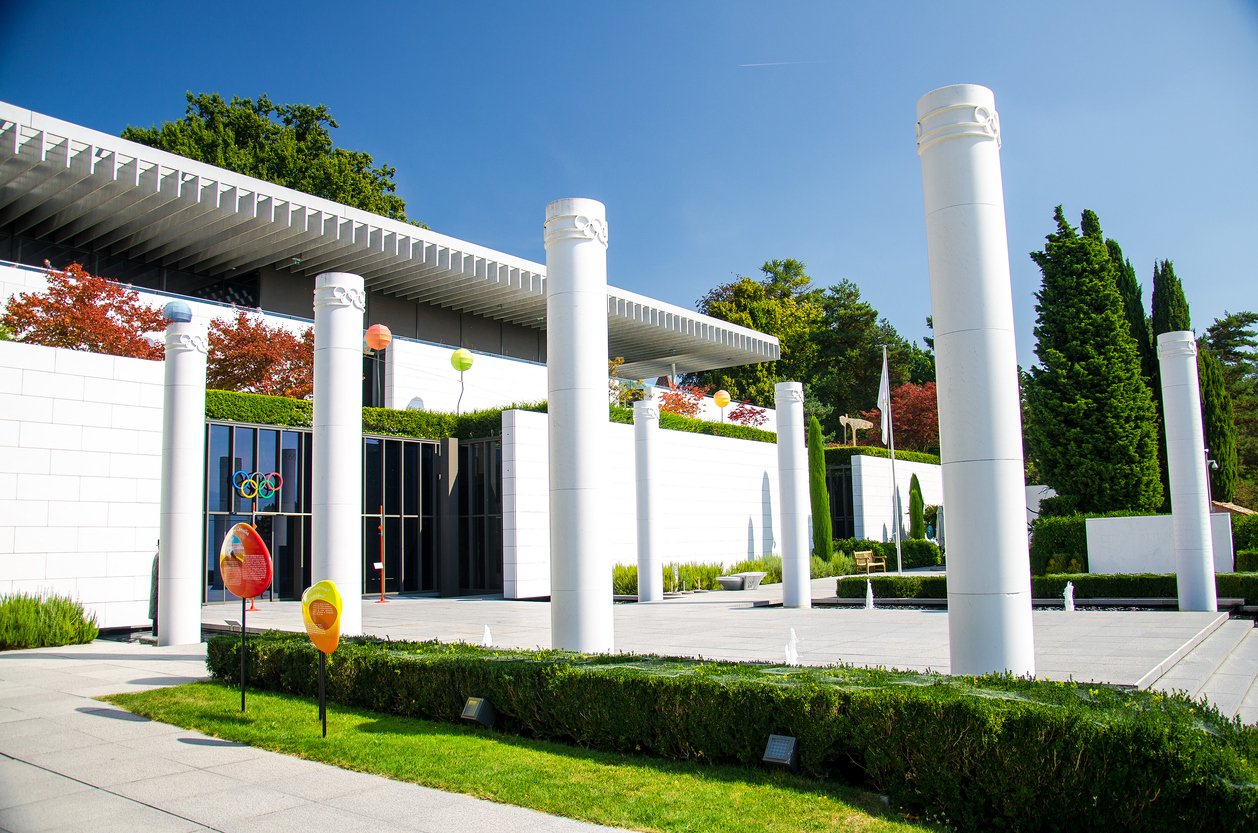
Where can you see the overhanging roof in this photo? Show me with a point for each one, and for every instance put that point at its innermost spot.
(81, 188)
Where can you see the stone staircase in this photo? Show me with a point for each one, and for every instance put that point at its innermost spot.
(1222, 668)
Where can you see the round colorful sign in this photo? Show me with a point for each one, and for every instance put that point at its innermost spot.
(461, 359)
(321, 610)
(244, 562)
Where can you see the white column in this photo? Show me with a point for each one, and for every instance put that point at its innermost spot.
(980, 424)
(793, 495)
(336, 468)
(181, 560)
(1186, 470)
(646, 429)
(576, 372)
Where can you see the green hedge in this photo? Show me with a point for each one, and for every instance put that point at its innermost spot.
(915, 552)
(1059, 540)
(28, 621)
(676, 422)
(842, 454)
(1087, 586)
(1247, 561)
(696, 576)
(231, 406)
(1244, 532)
(976, 753)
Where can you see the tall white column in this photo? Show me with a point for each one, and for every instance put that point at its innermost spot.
(980, 424)
(576, 371)
(793, 495)
(181, 560)
(336, 468)
(646, 429)
(1186, 470)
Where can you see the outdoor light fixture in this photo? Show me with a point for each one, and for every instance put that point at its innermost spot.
(479, 710)
(781, 750)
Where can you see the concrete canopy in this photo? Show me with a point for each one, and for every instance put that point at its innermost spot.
(88, 190)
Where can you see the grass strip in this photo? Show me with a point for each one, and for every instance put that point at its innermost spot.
(613, 789)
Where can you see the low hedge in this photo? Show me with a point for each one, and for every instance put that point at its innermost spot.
(31, 621)
(1244, 532)
(976, 753)
(676, 422)
(914, 552)
(1057, 541)
(1087, 586)
(842, 454)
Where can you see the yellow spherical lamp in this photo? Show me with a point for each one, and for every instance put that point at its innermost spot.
(378, 336)
(721, 398)
(461, 359)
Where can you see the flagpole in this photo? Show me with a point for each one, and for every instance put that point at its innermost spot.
(896, 522)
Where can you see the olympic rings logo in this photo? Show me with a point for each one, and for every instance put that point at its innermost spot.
(250, 485)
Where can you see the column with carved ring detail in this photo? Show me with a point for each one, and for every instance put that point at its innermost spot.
(646, 429)
(336, 466)
(793, 495)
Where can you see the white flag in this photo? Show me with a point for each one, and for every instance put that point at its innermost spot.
(884, 399)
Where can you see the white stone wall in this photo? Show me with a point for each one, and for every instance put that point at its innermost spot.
(719, 503)
(871, 493)
(80, 469)
(1145, 544)
(417, 369)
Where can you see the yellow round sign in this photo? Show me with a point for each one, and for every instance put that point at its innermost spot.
(321, 609)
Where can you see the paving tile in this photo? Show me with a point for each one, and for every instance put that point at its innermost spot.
(106, 764)
(240, 801)
(22, 783)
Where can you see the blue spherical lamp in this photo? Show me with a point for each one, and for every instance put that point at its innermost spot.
(177, 312)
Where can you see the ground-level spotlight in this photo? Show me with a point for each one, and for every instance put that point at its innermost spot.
(781, 750)
(479, 710)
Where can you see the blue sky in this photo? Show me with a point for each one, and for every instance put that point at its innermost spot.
(723, 134)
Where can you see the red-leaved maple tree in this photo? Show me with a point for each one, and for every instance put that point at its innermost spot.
(747, 414)
(683, 400)
(251, 356)
(79, 311)
(914, 415)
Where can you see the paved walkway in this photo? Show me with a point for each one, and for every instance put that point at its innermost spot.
(70, 763)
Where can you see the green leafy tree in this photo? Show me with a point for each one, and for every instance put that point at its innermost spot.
(1219, 425)
(822, 532)
(1170, 307)
(1092, 425)
(917, 510)
(1233, 339)
(288, 144)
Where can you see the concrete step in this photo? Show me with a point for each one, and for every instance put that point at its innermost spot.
(1233, 687)
(1194, 670)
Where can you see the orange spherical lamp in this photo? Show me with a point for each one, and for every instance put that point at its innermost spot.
(378, 337)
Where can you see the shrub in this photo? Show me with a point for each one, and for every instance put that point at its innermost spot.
(28, 621)
(974, 752)
(892, 586)
(818, 494)
(625, 579)
(917, 509)
(1247, 561)
(851, 545)
(1244, 532)
(916, 552)
(1061, 538)
(770, 565)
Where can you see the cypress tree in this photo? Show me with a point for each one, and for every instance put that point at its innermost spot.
(917, 510)
(822, 532)
(1133, 306)
(1092, 425)
(1170, 307)
(1219, 423)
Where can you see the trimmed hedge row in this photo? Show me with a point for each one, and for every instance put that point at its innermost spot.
(1245, 532)
(843, 454)
(915, 552)
(676, 422)
(1247, 561)
(1056, 541)
(1087, 586)
(977, 753)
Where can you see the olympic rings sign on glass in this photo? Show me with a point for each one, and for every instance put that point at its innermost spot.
(250, 485)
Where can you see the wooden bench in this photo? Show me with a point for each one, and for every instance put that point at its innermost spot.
(865, 561)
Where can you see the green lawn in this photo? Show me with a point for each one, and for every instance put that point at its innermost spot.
(633, 792)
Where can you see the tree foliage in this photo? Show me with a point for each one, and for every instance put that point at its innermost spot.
(1092, 426)
(819, 493)
(917, 509)
(1170, 307)
(1219, 425)
(288, 144)
(251, 356)
(79, 311)
(1132, 294)
(914, 418)
(1233, 339)
(683, 400)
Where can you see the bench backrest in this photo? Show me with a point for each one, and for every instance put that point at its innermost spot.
(863, 557)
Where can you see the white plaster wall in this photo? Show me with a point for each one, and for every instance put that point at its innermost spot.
(417, 369)
(80, 472)
(719, 503)
(871, 493)
(1035, 495)
(1145, 544)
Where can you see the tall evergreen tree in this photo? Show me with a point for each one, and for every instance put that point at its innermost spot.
(1219, 424)
(1234, 341)
(1092, 426)
(1133, 306)
(1170, 307)
(818, 493)
(917, 510)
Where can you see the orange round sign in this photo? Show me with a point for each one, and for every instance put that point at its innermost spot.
(244, 562)
(321, 609)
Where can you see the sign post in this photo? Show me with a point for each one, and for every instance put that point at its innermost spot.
(244, 562)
